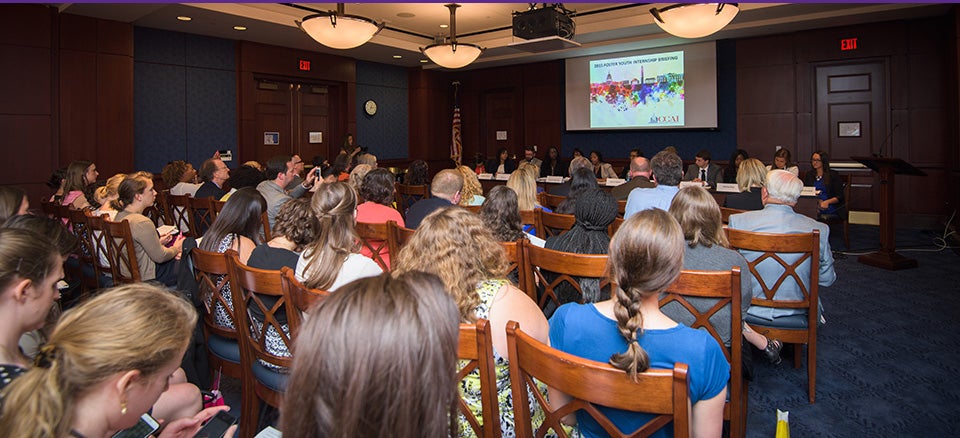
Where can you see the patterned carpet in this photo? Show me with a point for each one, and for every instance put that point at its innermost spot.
(885, 356)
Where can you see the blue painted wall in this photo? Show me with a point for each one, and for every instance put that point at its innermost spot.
(386, 132)
(721, 142)
(185, 97)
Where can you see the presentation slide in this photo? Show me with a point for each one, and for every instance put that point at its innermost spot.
(637, 91)
(646, 89)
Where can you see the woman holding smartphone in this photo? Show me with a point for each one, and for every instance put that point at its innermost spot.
(106, 364)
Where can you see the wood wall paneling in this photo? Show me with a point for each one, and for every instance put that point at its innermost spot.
(27, 149)
(114, 37)
(78, 106)
(766, 89)
(78, 33)
(114, 113)
(26, 25)
(26, 80)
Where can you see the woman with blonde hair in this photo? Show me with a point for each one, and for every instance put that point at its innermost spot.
(13, 202)
(524, 182)
(453, 244)
(631, 333)
(349, 380)
(357, 174)
(107, 362)
(751, 176)
(472, 191)
(333, 259)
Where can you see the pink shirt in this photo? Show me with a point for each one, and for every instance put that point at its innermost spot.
(371, 212)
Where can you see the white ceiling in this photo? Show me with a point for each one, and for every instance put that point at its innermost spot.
(600, 27)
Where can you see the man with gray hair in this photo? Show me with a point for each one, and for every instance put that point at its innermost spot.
(575, 163)
(779, 197)
(667, 171)
(444, 192)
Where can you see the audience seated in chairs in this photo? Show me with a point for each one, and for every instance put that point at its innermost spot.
(639, 173)
(501, 215)
(81, 181)
(418, 174)
(667, 171)
(578, 162)
(524, 182)
(750, 178)
(296, 228)
(707, 249)
(348, 379)
(280, 171)
(333, 259)
(357, 176)
(244, 176)
(237, 227)
(155, 259)
(109, 361)
(595, 211)
(631, 333)
(378, 191)
(453, 244)
(214, 174)
(444, 192)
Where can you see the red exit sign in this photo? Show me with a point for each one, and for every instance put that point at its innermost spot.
(304, 65)
(848, 44)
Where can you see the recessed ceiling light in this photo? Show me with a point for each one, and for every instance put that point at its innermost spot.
(239, 28)
(405, 15)
(184, 18)
(444, 26)
(397, 56)
(424, 61)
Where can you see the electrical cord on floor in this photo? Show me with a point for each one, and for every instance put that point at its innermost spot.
(939, 242)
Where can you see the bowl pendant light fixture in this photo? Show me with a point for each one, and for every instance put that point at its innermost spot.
(695, 20)
(337, 30)
(452, 54)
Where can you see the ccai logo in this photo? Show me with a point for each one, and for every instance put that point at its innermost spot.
(655, 119)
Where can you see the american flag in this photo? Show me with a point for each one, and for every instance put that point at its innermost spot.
(456, 145)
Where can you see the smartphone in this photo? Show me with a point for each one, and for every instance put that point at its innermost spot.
(216, 426)
(144, 428)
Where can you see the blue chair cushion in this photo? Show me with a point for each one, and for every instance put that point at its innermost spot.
(226, 349)
(798, 322)
(273, 379)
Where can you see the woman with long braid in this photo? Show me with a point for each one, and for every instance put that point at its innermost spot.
(631, 333)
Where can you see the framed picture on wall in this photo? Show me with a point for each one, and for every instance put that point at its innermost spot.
(848, 129)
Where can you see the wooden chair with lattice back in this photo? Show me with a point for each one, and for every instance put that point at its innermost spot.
(377, 239)
(551, 201)
(123, 255)
(48, 208)
(407, 195)
(792, 253)
(164, 202)
(252, 289)
(401, 235)
(301, 297)
(588, 383)
(614, 226)
(714, 291)
(102, 267)
(472, 208)
(529, 217)
(475, 352)
(202, 213)
(179, 206)
(726, 212)
(212, 274)
(621, 207)
(553, 224)
(557, 269)
(81, 229)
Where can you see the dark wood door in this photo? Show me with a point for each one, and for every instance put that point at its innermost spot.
(499, 113)
(295, 111)
(852, 120)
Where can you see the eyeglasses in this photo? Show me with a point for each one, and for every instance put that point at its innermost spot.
(816, 159)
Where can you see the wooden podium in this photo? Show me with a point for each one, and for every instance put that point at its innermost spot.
(887, 257)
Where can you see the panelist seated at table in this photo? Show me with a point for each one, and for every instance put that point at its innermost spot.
(782, 161)
(750, 178)
(575, 164)
(502, 163)
(779, 195)
(829, 186)
(703, 170)
(600, 169)
(553, 165)
(625, 173)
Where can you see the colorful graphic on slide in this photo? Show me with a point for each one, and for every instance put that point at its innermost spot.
(645, 90)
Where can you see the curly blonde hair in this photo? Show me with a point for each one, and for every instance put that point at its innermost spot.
(453, 244)
(471, 185)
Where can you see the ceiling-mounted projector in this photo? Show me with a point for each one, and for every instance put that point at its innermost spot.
(548, 21)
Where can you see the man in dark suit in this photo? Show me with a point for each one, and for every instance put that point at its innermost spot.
(704, 170)
(444, 192)
(639, 172)
(214, 174)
